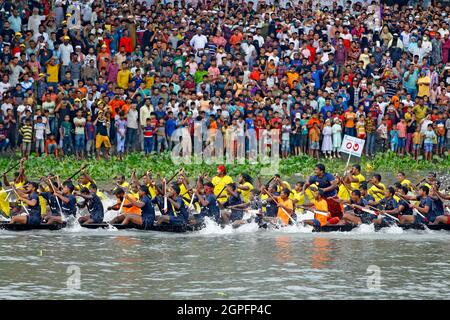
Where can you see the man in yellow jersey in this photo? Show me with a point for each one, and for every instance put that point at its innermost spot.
(355, 177)
(120, 181)
(298, 197)
(220, 181)
(377, 189)
(4, 204)
(245, 186)
(403, 181)
(281, 184)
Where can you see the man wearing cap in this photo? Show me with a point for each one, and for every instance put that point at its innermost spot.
(199, 41)
(220, 181)
(65, 52)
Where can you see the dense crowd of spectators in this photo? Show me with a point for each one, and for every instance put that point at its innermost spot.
(78, 77)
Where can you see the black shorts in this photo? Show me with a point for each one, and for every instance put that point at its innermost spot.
(33, 220)
(236, 215)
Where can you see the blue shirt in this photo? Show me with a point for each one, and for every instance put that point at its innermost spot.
(324, 182)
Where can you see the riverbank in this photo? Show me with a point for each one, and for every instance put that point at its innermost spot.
(103, 170)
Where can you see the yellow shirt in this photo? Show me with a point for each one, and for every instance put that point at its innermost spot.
(283, 185)
(219, 183)
(123, 78)
(343, 193)
(43, 205)
(298, 198)
(246, 193)
(152, 190)
(424, 86)
(53, 72)
(374, 192)
(420, 112)
(406, 183)
(124, 185)
(355, 185)
(4, 204)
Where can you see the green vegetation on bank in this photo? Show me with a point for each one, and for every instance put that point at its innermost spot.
(105, 170)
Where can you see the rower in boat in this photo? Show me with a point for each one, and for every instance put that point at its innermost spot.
(121, 182)
(176, 213)
(365, 194)
(281, 184)
(401, 178)
(65, 201)
(30, 199)
(377, 189)
(285, 207)
(424, 207)
(245, 186)
(220, 181)
(234, 199)
(360, 213)
(298, 197)
(147, 217)
(389, 205)
(270, 204)
(94, 206)
(403, 209)
(327, 182)
(124, 204)
(50, 198)
(320, 210)
(439, 207)
(445, 218)
(208, 204)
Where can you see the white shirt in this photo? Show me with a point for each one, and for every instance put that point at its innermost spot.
(4, 87)
(132, 117)
(34, 21)
(64, 53)
(198, 41)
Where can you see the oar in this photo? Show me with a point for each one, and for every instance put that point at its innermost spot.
(165, 195)
(221, 191)
(81, 169)
(386, 214)
(56, 197)
(12, 168)
(24, 205)
(176, 174)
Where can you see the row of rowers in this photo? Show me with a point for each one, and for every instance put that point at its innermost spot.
(332, 198)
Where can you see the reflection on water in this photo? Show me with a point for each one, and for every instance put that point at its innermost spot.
(231, 265)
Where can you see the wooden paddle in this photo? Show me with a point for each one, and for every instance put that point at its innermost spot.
(385, 213)
(12, 168)
(84, 166)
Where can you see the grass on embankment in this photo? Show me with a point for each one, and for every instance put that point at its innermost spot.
(105, 170)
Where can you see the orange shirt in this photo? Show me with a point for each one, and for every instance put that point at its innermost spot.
(131, 210)
(292, 76)
(115, 104)
(321, 205)
(350, 119)
(235, 39)
(282, 215)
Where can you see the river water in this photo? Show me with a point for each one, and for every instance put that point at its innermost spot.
(216, 263)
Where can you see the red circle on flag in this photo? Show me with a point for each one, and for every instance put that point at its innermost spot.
(348, 145)
(356, 147)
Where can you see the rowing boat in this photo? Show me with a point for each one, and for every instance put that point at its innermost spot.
(350, 227)
(161, 228)
(5, 225)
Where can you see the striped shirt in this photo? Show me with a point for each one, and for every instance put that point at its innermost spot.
(27, 133)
